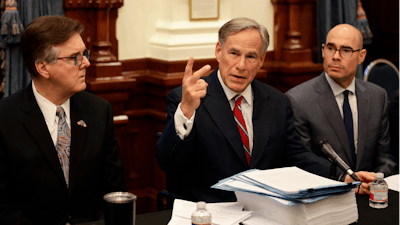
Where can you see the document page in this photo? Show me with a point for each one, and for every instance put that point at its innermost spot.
(393, 182)
(221, 213)
(291, 180)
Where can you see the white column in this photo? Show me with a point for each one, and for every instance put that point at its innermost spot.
(178, 38)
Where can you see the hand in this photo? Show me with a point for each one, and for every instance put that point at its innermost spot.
(193, 88)
(366, 178)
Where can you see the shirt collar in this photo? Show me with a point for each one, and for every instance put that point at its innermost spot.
(337, 89)
(48, 108)
(247, 93)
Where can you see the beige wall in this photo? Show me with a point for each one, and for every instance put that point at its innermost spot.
(161, 29)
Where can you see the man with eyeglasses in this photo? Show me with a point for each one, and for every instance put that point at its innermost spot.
(351, 114)
(229, 122)
(58, 148)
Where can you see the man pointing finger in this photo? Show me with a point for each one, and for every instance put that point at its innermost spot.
(228, 122)
(194, 88)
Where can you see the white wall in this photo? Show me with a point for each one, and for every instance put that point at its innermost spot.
(161, 29)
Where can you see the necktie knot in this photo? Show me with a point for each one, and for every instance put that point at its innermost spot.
(238, 100)
(60, 112)
(346, 94)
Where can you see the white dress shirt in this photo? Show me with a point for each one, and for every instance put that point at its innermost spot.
(247, 110)
(49, 113)
(339, 96)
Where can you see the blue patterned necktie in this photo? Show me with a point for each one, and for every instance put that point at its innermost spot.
(348, 122)
(63, 143)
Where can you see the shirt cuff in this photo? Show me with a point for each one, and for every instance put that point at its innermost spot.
(183, 125)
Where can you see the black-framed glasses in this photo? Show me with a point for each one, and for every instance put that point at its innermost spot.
(78, 58)
(345, 52)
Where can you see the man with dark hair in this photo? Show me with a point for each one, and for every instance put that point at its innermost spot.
(58, 148)
(229, 122)
(351, 114)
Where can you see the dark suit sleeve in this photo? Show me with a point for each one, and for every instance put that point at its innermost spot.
(113, 170)
(9, 211)
(172, 152)
(300, 122)
(298, 155)
(384, 161)
(394, 126)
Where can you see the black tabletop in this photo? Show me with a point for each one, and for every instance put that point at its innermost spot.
(387, 216)
(367, 215)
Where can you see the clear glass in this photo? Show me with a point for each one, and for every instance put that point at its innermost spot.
(201, 216)
(378, 198)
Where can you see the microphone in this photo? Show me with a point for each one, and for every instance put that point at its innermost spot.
(334, 158)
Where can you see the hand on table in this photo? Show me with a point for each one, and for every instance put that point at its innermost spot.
(366, 178)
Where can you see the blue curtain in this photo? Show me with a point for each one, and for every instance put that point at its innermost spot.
(16, 75)
(331, 13)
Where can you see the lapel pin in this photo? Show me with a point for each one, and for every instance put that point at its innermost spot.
(82, 123)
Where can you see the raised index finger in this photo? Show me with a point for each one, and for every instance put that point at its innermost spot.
(189, 67)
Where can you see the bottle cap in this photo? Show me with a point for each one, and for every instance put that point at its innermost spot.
(201, 205)
(379, 175)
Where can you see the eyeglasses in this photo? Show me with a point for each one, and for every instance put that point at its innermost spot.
(78, 58)
(344, 52)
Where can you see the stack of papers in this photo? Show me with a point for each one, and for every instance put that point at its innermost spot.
(334, 210)
(221, 213)
(292, 196)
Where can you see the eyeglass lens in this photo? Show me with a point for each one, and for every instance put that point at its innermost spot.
(344, 52)
(79, 58)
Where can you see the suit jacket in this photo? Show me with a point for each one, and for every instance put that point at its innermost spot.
(214, 150)
(32, 184)
(317, 114)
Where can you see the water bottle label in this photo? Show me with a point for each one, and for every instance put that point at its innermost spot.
(378, 196)
(201, 223)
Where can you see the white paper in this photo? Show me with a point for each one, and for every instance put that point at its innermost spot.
(257, 219)
(393, 182)
(290, 179)
(221, 213)
(336, 209)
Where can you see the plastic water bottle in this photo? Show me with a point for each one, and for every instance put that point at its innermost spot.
(378, 198)
(201, 216)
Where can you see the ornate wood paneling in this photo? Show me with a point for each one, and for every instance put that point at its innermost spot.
(138, 88)
(295, 44)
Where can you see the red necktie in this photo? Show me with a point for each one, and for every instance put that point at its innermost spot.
(237, 112)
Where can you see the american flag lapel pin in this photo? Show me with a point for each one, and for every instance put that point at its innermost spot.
(82, 123)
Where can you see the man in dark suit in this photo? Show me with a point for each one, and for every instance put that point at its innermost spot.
(321, 108)
(58, 148)
(206, 137)
(394, 126)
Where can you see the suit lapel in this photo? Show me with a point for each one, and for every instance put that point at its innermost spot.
(220, 111)
(78, 139)
(36, 126)
(262, 120)
(362, 106)
(329, 106)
